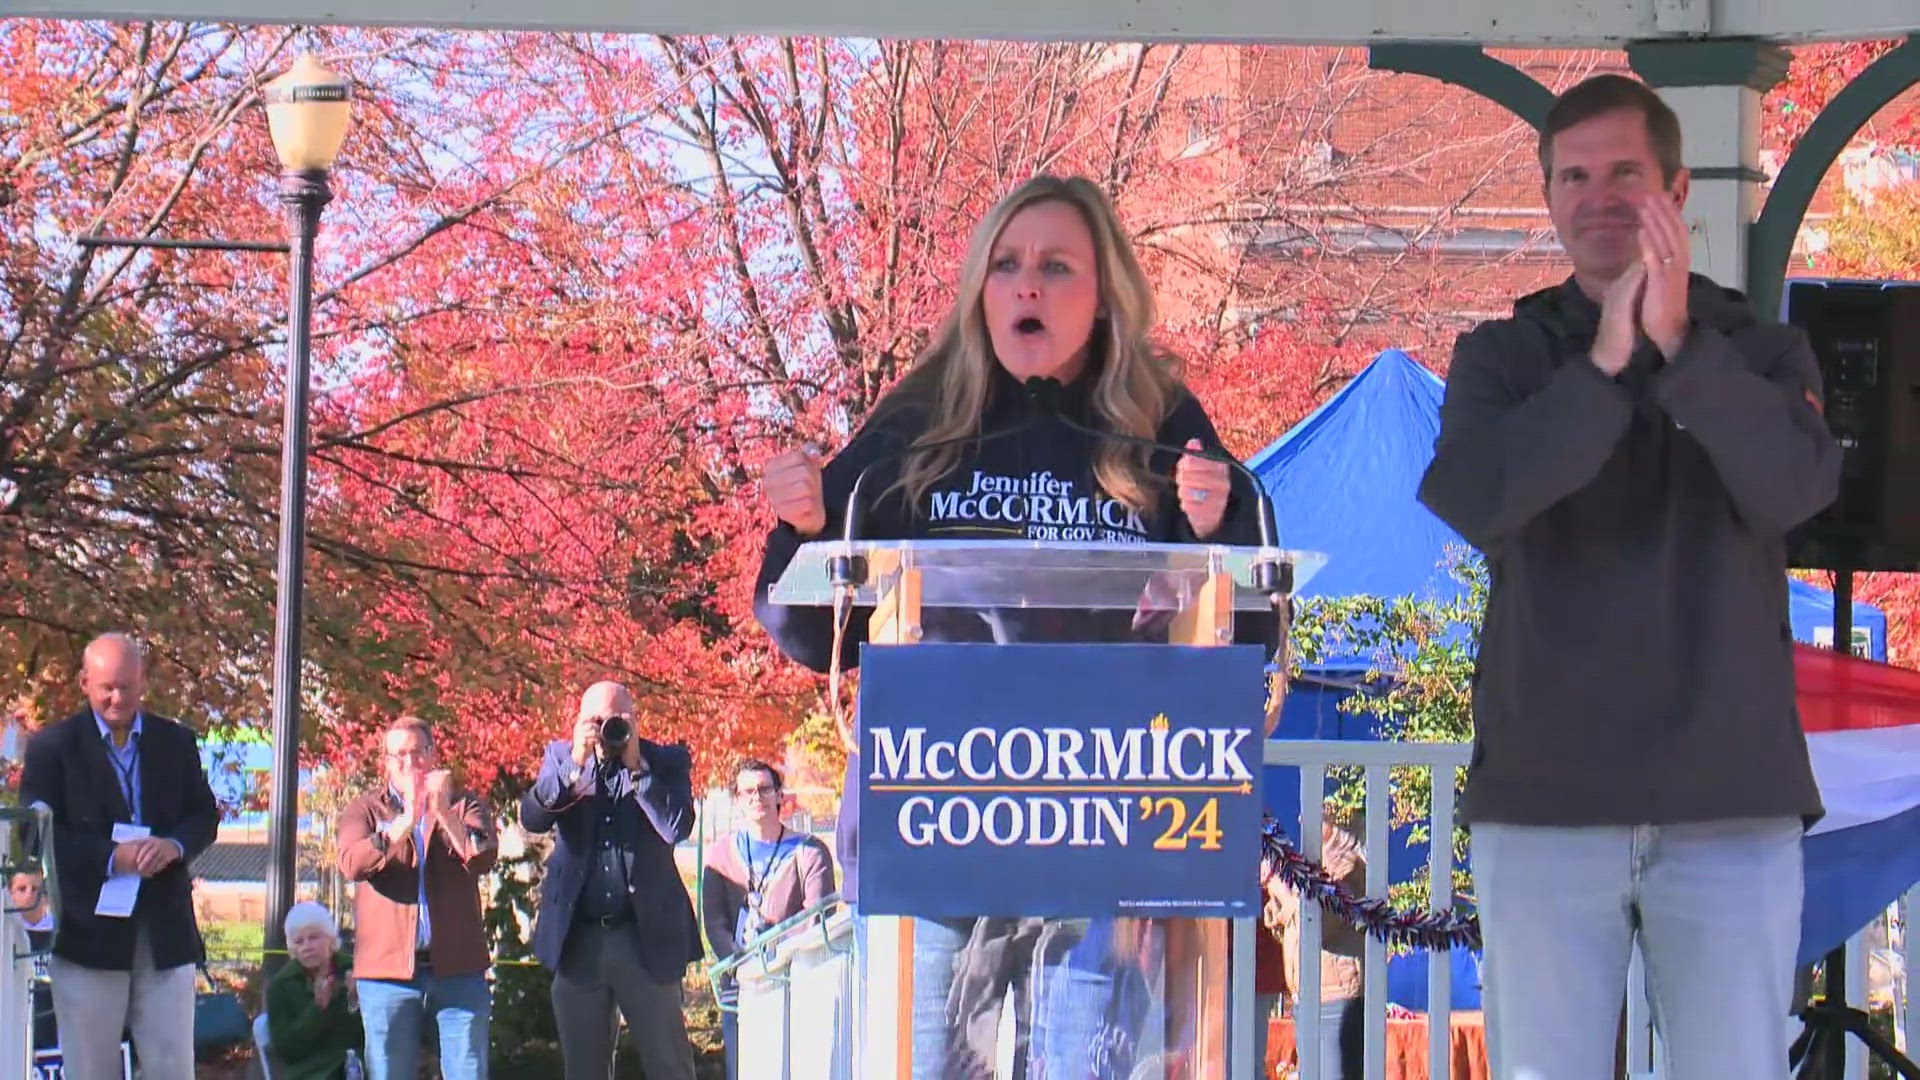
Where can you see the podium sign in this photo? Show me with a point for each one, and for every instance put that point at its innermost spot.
(1060, 780)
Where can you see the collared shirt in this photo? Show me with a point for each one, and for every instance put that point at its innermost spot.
(424, 935)
(126, 768)
(604, 893)
(126, 761)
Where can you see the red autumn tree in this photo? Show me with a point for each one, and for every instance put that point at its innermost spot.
(778, 237)
(575, 290)
(139, 439)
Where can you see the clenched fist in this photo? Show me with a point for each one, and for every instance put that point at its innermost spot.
(792, 485)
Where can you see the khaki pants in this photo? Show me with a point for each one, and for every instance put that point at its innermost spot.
(94, 1006)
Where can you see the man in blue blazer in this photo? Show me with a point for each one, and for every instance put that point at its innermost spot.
(615, 927)
(128, 795)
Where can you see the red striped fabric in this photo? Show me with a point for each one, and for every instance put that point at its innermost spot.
(1837, 692)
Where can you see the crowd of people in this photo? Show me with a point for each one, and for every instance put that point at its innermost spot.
(615, 925)
(1628, 449)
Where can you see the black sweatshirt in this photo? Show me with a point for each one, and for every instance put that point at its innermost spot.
(1635, 665)
(1037, 483)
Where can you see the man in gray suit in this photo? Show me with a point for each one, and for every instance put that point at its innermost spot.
(616, 927)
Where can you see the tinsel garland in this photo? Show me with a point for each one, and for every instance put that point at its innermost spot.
(1431, 930)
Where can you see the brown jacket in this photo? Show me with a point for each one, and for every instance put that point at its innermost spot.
(799, 883)
(1343, 948)
(386, 907)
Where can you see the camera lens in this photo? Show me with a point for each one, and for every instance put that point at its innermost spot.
(615, 732)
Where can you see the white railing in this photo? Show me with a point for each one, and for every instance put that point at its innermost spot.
(1377, 759)
(797, 995)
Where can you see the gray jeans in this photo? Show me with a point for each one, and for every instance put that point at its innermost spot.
(600, 970)
(1714, 906)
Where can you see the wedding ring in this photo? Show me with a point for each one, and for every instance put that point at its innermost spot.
(1198, 495)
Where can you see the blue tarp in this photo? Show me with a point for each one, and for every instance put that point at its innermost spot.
(1344, 482)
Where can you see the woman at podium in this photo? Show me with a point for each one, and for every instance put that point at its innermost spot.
(1003, 428)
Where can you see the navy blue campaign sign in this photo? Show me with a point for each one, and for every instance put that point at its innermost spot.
(1060, 780)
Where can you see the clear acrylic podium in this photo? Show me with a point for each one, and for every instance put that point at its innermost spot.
(1109, 998)
(26, 846)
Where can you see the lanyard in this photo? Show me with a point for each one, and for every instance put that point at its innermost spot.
(756, 883)
(127, 773)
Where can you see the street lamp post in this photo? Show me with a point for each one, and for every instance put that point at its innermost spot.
(307, 112)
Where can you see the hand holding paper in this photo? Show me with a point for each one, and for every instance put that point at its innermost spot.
(156, 854)
(122, 888)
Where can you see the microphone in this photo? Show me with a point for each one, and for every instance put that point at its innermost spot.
(1272, 576)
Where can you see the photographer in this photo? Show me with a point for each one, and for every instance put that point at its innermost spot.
(616, 927)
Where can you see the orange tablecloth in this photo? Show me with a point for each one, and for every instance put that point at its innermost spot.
(1406, 1047)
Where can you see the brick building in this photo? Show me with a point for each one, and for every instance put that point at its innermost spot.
(1378, 210)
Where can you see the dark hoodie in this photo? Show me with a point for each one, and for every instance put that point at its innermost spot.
(1635, 665)
(1036, 483)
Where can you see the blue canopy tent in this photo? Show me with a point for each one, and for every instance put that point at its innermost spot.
(1344, 482)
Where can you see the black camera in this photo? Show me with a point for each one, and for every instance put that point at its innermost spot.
(615, 733)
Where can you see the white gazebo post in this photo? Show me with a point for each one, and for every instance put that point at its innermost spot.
(1715, 87)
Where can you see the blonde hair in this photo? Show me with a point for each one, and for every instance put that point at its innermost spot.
(1137, 385)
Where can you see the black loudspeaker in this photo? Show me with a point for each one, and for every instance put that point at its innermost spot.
(1866, 337)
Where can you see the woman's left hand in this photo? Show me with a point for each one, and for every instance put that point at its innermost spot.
(1203, 486)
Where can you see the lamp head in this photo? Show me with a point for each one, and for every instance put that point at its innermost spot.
(308, 109)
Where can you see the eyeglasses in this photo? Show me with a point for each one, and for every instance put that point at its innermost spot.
(408, 755)
(763, 789)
